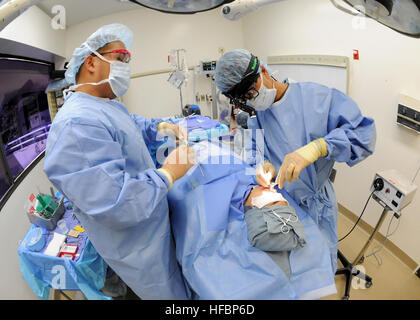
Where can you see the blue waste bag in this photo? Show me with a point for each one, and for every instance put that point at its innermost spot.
(212, 247)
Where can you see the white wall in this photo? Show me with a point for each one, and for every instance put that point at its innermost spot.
(33, 28)
(389, 64)
(155, 34)
(13, 226)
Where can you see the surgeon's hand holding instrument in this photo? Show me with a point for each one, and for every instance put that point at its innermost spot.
(170, 129)
(178, 163)
(298, 160)
(187, 143)
(265, 173)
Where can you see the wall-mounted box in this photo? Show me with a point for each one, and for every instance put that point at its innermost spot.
(409, 113)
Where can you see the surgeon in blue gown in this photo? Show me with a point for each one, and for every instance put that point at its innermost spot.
(98, 156)
(307, 127)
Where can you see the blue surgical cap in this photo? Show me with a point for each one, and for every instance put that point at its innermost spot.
(231, 68)
(101, 37)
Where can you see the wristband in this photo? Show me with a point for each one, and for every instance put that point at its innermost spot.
(168, 175)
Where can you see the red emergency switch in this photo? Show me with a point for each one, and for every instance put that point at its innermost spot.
(356, 54)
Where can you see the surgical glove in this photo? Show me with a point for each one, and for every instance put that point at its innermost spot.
(265, 173)
(173, 130)
(298, 160)
(178, 162)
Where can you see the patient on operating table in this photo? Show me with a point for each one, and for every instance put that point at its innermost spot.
(273, 225)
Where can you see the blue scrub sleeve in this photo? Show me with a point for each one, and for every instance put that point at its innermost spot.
(351, 136)
(89, 167)
(148, 128)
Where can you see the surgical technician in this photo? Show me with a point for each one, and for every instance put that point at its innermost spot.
(97, 156)
(307, 126)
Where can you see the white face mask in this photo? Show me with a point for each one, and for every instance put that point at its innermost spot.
(267, 197)
(119, 77)
(265, 97)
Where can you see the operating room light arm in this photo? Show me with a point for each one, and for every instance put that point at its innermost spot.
(10, 10)
(239, 8)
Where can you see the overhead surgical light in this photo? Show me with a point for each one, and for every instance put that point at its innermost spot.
(236, 10)
(181, 6)
(400, 15)
(384, 6)
(10, 10)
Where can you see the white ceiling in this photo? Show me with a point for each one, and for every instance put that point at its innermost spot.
(78, 11)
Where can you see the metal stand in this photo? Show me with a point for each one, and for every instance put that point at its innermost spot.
(360, 257)
(349, 271)
(214, 111)
(180, 97)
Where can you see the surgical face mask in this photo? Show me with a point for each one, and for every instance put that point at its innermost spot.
(119, 76)
(265, 97)
(267, 197)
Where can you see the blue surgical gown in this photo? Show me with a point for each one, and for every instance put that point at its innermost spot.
(97, 156)
(308, 111)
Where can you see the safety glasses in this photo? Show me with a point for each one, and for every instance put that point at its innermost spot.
(246, 90)
(122, 55)
(252, 93)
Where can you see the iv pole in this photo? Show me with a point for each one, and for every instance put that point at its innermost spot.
(180, 87)
(179, 74)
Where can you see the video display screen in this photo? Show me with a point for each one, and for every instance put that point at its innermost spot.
(24, 115)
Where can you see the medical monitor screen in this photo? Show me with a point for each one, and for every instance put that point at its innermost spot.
(24, 113)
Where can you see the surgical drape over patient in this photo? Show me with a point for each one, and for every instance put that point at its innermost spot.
(218, 261)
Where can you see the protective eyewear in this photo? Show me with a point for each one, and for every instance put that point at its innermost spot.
(245, 90)
(252, 93)
(122, 55)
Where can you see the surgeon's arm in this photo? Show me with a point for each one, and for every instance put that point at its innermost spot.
(351, 136)
(151, 127)
(148, 128)
(89, 167)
